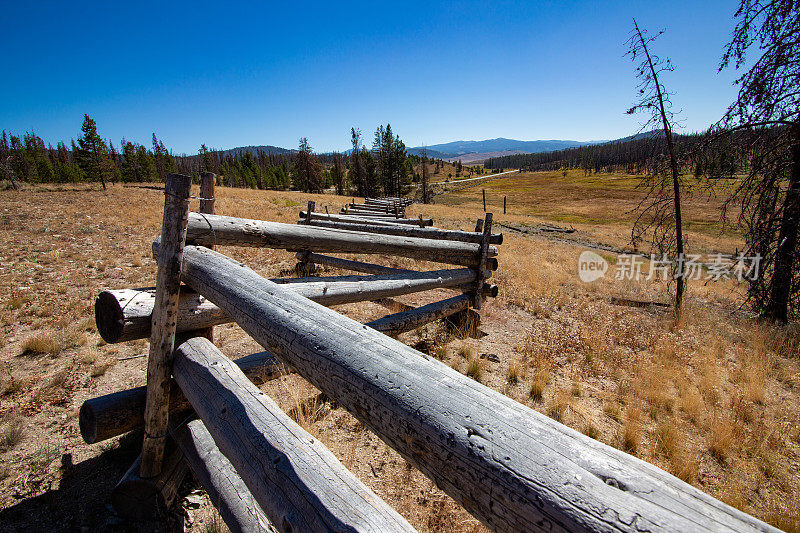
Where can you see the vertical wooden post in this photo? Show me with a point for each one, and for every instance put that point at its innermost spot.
(162, 336)
(310, 211)
(504, 205)
(479, 225)
(484, 200)
(208, 199)
(487, 233)
(302, 267)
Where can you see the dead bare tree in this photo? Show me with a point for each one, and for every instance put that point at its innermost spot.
(764, 123)
(659, 212)
(9, 172)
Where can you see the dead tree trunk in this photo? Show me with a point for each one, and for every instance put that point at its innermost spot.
(786, 259)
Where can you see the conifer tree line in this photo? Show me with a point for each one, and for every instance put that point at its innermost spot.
(89, 159)
(642, 155)
(383, 169)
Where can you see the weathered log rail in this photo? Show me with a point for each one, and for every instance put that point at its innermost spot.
(392, 208)
(125, 314)
(221, 230)
(508, 465)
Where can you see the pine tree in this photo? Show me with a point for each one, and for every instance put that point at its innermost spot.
(92, 152)
(390, 160)
(337, 173)
(131, 170)
(67, 171)
(37, 159)
(308, 171)
(18, 163)
(370, 173)
(358, 172)
(206, 159)
(159, 159)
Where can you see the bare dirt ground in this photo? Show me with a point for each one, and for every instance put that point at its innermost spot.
(712, 399)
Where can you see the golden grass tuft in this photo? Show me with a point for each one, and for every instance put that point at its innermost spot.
(691, 402)
(466, 350)
(475, 368)
(667, 437)
(591, 430)
(10, 385)
(559, 406)
(16, 302)
(684, 464)
(11, 434)
(540, 380)
(631, 431)
(100, 369)
(515, 372)
(41, 343)
(611, 409)
(721, 437)
(754, 378)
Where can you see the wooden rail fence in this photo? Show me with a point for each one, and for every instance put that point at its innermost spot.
(511, 467)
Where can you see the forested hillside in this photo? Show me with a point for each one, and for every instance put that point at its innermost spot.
(636, 155)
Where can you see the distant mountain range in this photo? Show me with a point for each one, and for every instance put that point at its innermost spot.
(466, 151)
(457, 148)
(478, 151)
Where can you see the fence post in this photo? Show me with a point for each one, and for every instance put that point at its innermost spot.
(311, 206)
(487, 233)
(504, 205)
(208, 199)
(302, 267)
(162, 335)
(484, 200)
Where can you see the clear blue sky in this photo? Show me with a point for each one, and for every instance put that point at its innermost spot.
(269, 73)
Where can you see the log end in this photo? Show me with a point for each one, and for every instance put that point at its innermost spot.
(87, 422)
(108, 317)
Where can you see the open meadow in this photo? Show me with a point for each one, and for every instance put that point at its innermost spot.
(712, 398)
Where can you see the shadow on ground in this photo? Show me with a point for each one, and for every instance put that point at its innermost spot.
(80, 503)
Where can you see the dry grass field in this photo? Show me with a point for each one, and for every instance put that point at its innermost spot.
(712, 399)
